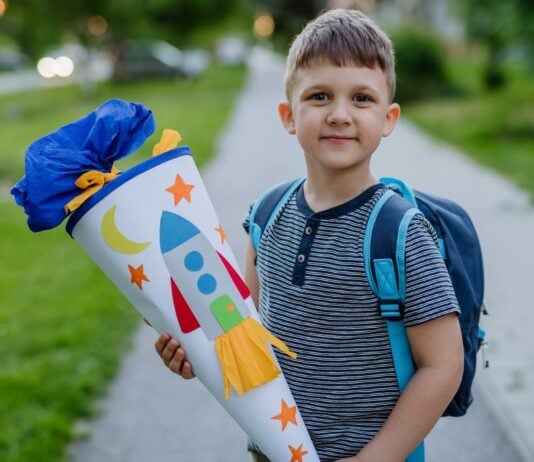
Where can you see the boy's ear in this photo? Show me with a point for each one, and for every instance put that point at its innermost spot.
(286, 116)
(392, 116)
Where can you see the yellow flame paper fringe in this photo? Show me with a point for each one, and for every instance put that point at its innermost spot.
(245, 357)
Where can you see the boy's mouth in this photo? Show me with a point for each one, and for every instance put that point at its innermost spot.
(338, 138)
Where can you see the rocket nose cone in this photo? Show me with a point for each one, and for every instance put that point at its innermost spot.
(174, 230)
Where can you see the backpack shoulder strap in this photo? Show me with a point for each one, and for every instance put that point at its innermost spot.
(384, 260)
(384, 249)
(400, 187)
(266, 208)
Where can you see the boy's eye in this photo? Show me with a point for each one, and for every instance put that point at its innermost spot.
(362, 99)
(321, 96)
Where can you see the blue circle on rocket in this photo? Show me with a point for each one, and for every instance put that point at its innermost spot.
(206, 284)
(193, 261)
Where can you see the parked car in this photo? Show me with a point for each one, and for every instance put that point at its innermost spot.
(231, 51)
(195, 62)
(138, 59)
(12, 60)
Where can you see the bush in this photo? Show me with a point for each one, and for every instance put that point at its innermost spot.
(420, 64)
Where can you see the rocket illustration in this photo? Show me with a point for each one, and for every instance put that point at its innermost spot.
(208, 294)
(189, 256)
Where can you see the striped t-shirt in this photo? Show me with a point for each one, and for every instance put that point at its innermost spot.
(314, 295)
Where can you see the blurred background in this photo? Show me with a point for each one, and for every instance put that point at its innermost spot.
(457, 60)
(464, 70)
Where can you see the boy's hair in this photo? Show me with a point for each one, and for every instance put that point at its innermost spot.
(341, 38)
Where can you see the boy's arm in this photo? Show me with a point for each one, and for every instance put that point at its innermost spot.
(438, 353)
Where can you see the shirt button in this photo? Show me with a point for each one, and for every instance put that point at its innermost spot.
(301, 258)
(308, 230)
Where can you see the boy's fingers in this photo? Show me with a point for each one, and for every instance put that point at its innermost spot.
(173, 356)
(169, 351)
(161, 342)
(187, 370)
(176, 361)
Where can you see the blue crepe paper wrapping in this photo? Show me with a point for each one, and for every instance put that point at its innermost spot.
(53, 163)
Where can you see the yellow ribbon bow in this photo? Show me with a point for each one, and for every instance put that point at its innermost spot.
(91, 182)
(169, 140)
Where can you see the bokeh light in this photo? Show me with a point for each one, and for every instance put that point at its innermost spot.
(64, 66)
(3, 7)
(263, 26)
(47, 67)
(60, 67)
(97, 25)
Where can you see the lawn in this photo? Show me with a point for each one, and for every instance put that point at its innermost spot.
(63, 326)
(496, 128)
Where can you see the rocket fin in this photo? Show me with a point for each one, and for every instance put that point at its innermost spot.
(186, 319)
(236, 278)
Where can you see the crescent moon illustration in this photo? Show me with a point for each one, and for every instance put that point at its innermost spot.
(115, 239)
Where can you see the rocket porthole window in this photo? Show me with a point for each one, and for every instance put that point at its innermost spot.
(207, 284)
(194, 261)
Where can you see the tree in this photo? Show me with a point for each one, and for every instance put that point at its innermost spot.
(36, 24)
(290, 16)
(497, 24)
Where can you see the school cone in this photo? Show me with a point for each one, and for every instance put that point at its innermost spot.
(155, 233)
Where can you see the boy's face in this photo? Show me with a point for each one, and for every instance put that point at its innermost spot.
(339, 115)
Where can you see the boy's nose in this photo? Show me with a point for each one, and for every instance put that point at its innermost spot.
(339, 114)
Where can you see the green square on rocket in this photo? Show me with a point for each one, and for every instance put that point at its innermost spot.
(226, 312)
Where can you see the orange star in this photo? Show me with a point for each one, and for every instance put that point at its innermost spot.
(180, 190)
(287, 414)
(297, 453)
(138, 276)
(220, 230)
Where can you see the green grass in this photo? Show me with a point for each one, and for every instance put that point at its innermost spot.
(495, 128)
(63, 326)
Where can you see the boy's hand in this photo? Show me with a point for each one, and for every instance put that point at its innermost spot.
(173, 356)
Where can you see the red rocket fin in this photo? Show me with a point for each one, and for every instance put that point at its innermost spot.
(186, 318)
(239, 283)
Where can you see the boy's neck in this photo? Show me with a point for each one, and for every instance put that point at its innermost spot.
(324, 191)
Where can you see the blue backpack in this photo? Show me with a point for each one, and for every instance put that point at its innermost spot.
(384, 245)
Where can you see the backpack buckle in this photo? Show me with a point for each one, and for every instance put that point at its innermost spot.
(391, 310)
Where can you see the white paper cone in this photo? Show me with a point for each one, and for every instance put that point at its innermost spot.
(154, 232)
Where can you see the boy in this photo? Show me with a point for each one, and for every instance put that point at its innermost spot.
(308, 278)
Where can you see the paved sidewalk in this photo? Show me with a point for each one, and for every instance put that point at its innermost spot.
(151, 415)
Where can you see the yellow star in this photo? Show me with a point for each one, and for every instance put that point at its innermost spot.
(180, 190)
(220, 230)
(138, 276)
(287, 414)
(297, 453)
